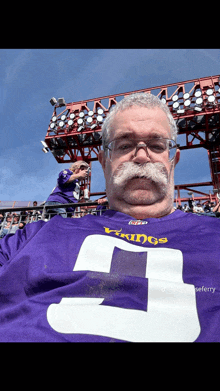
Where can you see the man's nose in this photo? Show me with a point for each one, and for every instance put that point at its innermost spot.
(141, 154)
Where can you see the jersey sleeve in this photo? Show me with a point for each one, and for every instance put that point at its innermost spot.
(12, 243)
(64, 176)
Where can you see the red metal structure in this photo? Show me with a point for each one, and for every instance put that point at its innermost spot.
(74, 129)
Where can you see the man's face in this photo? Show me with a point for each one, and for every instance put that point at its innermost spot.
(140, 184)
(80, 167)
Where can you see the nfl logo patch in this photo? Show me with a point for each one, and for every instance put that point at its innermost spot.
(137, 222)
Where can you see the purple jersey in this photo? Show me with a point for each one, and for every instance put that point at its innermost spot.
(65, 192)
(112, 278)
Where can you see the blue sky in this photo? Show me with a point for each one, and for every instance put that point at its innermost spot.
(30, 77)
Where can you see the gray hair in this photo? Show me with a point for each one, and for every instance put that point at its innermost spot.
(78, 164)
(139, 99)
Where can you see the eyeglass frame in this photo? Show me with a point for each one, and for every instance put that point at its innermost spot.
(145, 146)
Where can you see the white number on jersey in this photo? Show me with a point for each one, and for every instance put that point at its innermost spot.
(171, 314)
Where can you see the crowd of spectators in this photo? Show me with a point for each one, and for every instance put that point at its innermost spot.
(209, 208)
(11, 222)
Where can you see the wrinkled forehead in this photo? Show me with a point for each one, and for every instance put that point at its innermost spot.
(140, 122)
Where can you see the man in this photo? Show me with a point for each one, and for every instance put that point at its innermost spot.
(141, 272)
(67, 189)
(198, 208)
(33, 214)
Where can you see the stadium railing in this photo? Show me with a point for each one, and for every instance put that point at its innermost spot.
(27, 215)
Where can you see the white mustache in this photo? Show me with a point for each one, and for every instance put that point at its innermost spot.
(156, 172)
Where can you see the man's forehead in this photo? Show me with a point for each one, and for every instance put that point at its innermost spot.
(141, 119)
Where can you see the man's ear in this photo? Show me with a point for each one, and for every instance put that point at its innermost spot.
(101, 158)
(177, 157)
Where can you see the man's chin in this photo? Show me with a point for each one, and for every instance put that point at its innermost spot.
(141, 197)
(142, 192)
(140, 184)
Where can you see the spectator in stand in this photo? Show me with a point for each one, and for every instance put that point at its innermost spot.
(191, 205)
(67, 189)
(198, 208)
(33, 215)
(216, 209)
(185, 208)
(101, 205)
(1, 218)
(207, 207)
(11, 225)
(35, 212)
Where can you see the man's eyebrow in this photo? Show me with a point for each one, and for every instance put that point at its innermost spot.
(124, 134)
(130, 134)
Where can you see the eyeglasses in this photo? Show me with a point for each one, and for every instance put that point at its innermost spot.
(123, 146)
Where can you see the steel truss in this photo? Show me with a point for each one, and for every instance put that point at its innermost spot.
(74, 131)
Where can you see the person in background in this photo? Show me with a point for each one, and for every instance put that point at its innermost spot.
(11, 225)
(216, 209)
(102, 206)
(185, 207)
(67, 189)
(198, 208)
(207, 207)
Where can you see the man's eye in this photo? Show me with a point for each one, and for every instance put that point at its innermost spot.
(123, 146)
(158, 147)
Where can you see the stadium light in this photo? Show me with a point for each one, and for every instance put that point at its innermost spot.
(175, 98)
(180, 111)
(186, 96)
(80, 122)
(100, 111)
(198, 94)
(44, 144)
(61, 124)
(197, 108)
(61, 102)
(199, 101)
(53, 101)
(187, 103)
(89, 120)
(209, 91)
(211, 99)
(70, 122)
(45, 149)
(99, 118)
